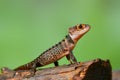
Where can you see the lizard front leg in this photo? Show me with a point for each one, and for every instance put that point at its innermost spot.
(71, 58)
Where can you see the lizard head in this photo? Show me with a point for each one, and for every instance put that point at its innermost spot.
(76, 32)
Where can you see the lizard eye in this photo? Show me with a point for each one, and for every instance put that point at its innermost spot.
(80, 26)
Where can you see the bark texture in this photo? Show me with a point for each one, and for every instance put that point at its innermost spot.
(116, 75)
(90, 70)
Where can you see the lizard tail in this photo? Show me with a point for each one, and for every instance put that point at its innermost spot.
(28, 66)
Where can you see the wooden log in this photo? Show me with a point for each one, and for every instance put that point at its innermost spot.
(90, 70)
(116, 75)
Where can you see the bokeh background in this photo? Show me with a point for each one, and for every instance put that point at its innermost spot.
(29, 27)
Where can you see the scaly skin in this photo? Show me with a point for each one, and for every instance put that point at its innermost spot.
(63, 48)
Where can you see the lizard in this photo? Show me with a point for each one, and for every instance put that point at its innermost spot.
(59, 50)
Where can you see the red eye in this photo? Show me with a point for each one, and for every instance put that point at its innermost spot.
(80, 26)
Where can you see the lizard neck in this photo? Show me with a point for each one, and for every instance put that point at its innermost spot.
(69, 39)
(70, 42)
(75, 38)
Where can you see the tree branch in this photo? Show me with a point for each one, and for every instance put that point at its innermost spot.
(91, 70)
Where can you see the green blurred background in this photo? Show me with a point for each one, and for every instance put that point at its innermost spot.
(29, 27)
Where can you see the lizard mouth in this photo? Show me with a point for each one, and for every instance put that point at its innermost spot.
(87, 27)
